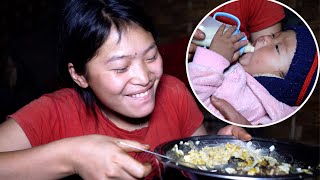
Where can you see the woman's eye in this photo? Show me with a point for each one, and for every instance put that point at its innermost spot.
(272, 35)
(121, 70)
(153, 58)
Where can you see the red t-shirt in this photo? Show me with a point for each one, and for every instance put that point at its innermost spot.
(63, 114)
(254, 15)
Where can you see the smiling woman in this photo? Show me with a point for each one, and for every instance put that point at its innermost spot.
(120, 94)
(132, 66)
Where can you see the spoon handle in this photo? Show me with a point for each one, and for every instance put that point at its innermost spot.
(135, 147)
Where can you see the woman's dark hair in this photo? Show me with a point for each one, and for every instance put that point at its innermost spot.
(86, 26)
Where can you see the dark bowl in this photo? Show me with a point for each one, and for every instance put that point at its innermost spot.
(292, 153)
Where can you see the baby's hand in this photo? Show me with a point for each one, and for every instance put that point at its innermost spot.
(227, 44)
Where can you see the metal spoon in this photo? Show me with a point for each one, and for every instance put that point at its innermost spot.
(156, 154)
(168, 158)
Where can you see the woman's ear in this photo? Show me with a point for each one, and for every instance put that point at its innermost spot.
(79, 79)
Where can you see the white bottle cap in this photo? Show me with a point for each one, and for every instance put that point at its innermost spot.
(248, 48)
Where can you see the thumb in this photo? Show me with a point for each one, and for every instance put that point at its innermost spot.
(236, 56)
(132, 146)
(222, 106)
(199, 35)
(228, 111)
(147, 168)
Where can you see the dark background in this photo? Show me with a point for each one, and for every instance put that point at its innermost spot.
(28, 43)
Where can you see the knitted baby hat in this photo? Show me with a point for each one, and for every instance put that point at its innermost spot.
(296, 86)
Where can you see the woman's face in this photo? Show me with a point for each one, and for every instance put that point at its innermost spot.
(126, 71)
(273, 54)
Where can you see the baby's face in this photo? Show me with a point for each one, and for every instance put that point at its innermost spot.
(273, 54)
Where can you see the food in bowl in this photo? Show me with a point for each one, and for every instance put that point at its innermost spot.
(233, 158)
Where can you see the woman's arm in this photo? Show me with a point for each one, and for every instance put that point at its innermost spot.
(12, 137)
(43, 162)
(200, 131)
(92, 157)
(19, 161)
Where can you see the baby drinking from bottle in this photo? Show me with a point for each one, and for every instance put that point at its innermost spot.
(266, 85)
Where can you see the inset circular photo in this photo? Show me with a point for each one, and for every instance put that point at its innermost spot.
(261, 57)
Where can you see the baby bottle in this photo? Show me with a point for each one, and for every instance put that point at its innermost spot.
(210, 26)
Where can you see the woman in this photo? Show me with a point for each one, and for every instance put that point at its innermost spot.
(120, 95)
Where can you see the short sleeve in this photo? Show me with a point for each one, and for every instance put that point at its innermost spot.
(51, 117)
(35, 119)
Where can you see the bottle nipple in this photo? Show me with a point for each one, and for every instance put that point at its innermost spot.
(248, 48)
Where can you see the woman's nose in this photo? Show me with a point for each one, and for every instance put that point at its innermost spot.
(141, 75)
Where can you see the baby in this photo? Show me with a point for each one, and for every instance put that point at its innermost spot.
(264, 86)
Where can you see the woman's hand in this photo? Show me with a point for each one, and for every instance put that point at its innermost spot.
(198, 35)
(231, 114)
(235, 131)
(228, 111)
(103, 157)
(226, 44)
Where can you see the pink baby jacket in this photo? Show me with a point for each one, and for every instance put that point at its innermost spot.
(210, 74)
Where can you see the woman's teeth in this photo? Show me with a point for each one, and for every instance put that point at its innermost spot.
(140, 94)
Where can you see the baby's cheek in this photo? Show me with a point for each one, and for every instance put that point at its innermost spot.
(259, 59)
(255, 65)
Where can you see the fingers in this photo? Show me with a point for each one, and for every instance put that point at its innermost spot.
(230, 31)
(220, 30)
(127, 167)
(199, 35)
(237, 37)
(120, 174)
(131, 166)
(147, 169)
(236, 56)
(134, 168)
(236, 46)
(129, 146)
(192, 49)
(239, 44)
(224, 107)
(228, 111)
(235, 131)
(240, 133)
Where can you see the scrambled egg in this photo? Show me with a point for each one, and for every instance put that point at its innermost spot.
(232, 159)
